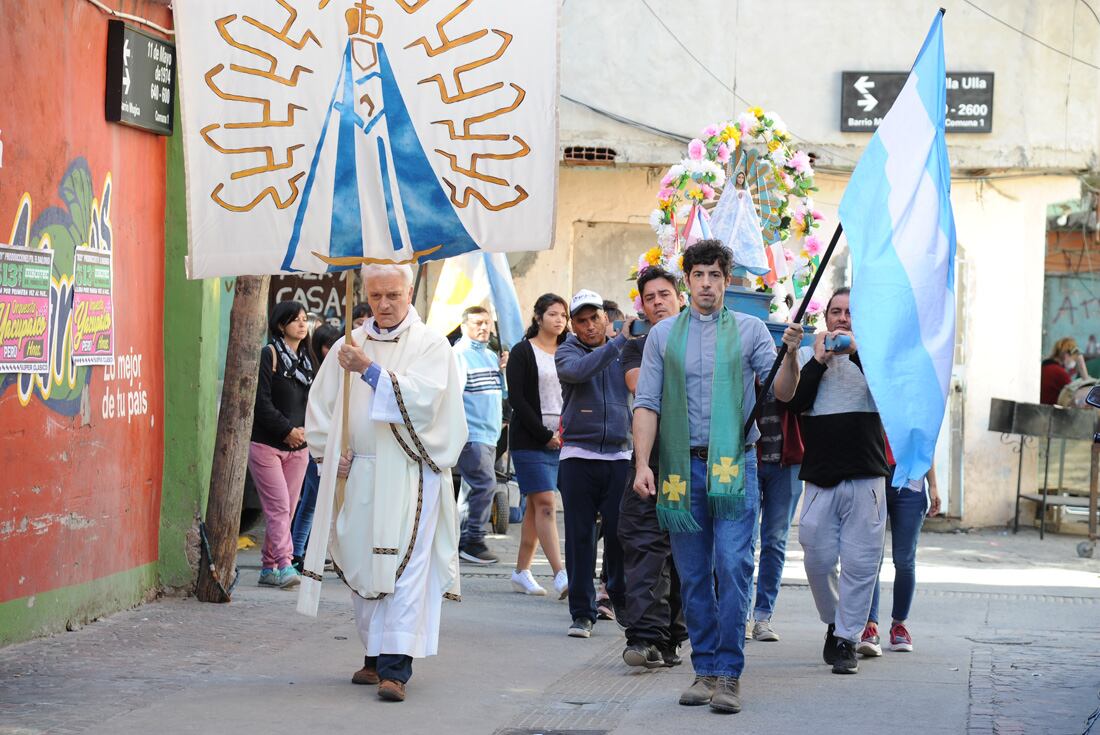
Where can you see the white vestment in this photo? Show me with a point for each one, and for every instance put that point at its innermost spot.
(395, 535)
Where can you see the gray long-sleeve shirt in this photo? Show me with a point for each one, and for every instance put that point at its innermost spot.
(758, 354)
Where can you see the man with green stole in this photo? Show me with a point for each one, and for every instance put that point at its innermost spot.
(697, 383)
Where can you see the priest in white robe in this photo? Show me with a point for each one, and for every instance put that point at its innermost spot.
(395, 537)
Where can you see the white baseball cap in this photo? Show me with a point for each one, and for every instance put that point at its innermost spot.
(584, 298)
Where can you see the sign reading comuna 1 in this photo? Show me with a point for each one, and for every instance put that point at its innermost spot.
(322, 134)
(866, 97)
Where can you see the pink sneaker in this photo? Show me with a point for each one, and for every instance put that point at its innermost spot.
(869, 643)
(900, 640)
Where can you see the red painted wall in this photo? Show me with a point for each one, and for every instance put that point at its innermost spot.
(80, 486)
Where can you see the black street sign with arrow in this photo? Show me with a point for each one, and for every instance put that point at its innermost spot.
(141, 78)
(867, 96)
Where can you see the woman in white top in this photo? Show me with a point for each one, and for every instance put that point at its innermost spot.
(534, 440)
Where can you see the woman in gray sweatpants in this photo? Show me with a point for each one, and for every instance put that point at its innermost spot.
(844, 507)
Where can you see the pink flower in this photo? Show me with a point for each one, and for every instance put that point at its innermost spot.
(813, 245)
(710, 131)
(696, 149)
(788, 255)
(818, 216)
(800, 162)
(666, 193)
(708, 192)
(798, 216)
(638, 305)
(667, 180)
(815, 307)
(787, 180)
(723, 153)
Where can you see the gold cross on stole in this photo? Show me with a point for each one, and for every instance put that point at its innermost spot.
(674, 488)
(726, 471)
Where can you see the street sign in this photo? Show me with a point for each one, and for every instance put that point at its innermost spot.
(141, 78)
(867, 96)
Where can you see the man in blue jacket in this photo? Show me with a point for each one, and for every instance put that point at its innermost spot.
(595, 454)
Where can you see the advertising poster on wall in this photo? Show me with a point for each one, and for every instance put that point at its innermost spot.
(93, 330)
(25, 309)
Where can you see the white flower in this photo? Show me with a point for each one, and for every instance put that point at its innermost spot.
(779, 157)
(655, 220)
(777, 122)
(683, 210)
(676, 171)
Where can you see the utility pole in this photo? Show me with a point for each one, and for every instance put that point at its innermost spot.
(247, 332)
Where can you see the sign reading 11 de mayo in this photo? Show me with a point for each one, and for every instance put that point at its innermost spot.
(867, 96)
(25, 309)
(141, 78)
(93, 330)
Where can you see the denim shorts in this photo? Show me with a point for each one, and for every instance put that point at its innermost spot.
(536, 469)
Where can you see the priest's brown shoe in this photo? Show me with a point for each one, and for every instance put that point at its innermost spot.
(391, 690)
(366, 675)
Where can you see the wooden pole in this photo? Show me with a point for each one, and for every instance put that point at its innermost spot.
(338, 500)
(797, 319)
(247, 329)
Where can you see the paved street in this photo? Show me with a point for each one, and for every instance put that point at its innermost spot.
(1007, 633)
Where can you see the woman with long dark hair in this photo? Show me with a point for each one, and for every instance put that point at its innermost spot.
(534, 439)
(277, 456)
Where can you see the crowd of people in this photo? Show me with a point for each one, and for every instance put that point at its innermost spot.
(644, 426)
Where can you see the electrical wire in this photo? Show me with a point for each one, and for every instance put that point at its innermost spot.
(1027, 35)
(136, 19)
(628, 121)
(717, 78)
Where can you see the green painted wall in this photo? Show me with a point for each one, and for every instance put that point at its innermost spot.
(69, 607)
(191, 323)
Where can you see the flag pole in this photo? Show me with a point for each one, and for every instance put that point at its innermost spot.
(797, 319)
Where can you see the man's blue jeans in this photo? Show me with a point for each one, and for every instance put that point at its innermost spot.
(719, 557)
(476, 465)
(905, 508)
(303, 517)
(780, 490)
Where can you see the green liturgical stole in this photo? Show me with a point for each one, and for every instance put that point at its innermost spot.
(726, 444)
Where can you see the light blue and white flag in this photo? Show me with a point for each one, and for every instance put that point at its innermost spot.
(477, 279)
(896, 213)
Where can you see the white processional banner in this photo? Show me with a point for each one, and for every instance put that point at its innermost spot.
(383, 131)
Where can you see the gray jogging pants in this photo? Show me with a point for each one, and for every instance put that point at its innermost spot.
(846, 523)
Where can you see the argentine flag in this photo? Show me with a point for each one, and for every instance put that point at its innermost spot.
(479, 278)
(896, 213)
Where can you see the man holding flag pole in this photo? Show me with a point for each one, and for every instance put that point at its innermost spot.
(897, 215)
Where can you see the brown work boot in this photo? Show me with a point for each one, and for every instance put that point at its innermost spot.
(727, 696)
(700, 691)
(366, 675)
(391, 690)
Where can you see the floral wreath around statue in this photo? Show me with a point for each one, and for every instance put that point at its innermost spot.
(699, 179)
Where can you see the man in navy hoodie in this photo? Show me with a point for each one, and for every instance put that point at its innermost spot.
(595, 454)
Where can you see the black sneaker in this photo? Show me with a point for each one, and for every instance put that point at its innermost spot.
(478, 553)
(643, 654)
(845, 662)
(581, 628)
(828, 652)
(671, 655)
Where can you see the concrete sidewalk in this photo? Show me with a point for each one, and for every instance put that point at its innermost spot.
(1007, 635)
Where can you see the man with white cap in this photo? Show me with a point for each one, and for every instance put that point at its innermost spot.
(595, 454)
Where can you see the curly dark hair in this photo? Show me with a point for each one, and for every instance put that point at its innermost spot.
(707, 252)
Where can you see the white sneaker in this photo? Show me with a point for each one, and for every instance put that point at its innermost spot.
(561, 584)
(525, 583)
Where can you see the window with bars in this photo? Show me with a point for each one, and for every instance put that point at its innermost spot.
(588, 155)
